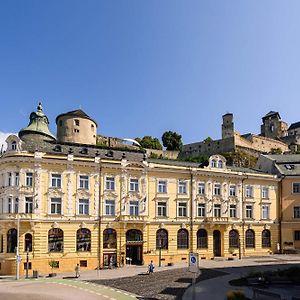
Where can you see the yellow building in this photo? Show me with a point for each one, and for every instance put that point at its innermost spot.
(79, 203)
(287, 167)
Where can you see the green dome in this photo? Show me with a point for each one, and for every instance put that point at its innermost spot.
(37, 128)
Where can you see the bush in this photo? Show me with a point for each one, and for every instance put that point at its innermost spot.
(236, 295)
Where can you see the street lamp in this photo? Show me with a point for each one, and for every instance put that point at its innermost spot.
(18, 257)
(159, 257)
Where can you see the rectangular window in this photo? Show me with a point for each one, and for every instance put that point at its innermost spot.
(296, 212)
(162, 186)
(264, 192)
(217, 210)
(134, 208)
(265, 212)
(201, 188)
(83, 207)
(110, 183)
(110, 207)
(249, 191)
(28, 205)
(297, 235)
(232, 190)
(182, 187)
(182, 209)
(201, 209)
(56, 180)
(76, 122)
(16, 205)
(217, 189)
(17, 179)
(9, 179)
(56, 206)
(29, 178)
(161, 209)
(134, 185)
(84, 182)
(296, 188)
(249, 212)
(83, 263)
(232, 211)
(9, 208)
(29, 265)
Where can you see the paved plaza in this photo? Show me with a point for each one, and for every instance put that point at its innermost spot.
(131, 282)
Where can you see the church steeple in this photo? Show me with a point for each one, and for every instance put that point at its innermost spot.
(37, 129)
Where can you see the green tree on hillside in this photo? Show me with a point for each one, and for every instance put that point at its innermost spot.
(149, 142)
(172, 140)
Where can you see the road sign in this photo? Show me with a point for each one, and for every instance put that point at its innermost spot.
(193, 262)
(18, 258)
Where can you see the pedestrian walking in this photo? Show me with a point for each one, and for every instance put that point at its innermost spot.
(77, 271)
(151, 267)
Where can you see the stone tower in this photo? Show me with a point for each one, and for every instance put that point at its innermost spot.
(227, 126)
(37, 129)
(76, 127)
(272, 126)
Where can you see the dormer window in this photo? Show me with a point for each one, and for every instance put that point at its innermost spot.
(213, 163)
(220, 164)
(14, 145)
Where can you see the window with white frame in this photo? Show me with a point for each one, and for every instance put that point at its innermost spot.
(29, 179)
(220, 164)
(17, 179)
(55, 206)
(28, 205)
(201, 210)
(232, 211)
(9, 206)
(14, 145)
(182, 209)
(161, 209)
(249, 191)
(265, 212)
(9, 183)
(56, 180)
(16, 205)
(296, 188)
(110, 207)
(83, 182)
(213, 163)
(134, 208)
(265, 192)
(134, 185)
(217, 189)
(201, 188)
(162, 186)
(182, 187)
(296, 212)
(110, 183)
(83, 207)
(217, 210)
(232, 190)
(249, 211)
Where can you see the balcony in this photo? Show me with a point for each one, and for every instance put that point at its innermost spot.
(132, 219)
(220, 220)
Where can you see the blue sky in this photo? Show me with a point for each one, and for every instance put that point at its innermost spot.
(144, 67)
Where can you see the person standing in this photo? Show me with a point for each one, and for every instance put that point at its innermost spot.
(151, 267)
(77, 271)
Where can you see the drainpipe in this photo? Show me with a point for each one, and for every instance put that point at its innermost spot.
(191, 213)
(280, 212)
(243, 220)
(99, 220)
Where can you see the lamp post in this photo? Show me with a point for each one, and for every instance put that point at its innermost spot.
(159, 257)
(27, 262)
(18, 258)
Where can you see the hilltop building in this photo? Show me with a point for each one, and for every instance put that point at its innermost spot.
(70, 201)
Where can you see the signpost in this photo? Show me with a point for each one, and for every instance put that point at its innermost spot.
(194, 268)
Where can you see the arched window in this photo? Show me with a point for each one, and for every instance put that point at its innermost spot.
(266, 238)
(202, 238)
(220, 164)
(250, 239)
(14, 145)
(134, 235)
(161, 239)
(233, 239)
(28, 242)
(182, 239)
(55, 240)
(1, 243)
(83, 239)
(12, 238)
(213, 163)
(109, 238)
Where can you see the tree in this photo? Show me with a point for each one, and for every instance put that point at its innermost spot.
(208, 140)
(172, 140)
(149, 142)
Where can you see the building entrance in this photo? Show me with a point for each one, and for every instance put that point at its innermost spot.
(217, 242)
(134, 247)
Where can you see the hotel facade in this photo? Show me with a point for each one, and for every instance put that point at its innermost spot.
(69, 201)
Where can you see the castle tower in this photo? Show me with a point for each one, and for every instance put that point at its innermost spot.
(272, 126)
(76, 127)
(227, 126)
(37, 129)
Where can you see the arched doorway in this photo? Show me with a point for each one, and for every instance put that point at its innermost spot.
(217, 242)
(134, 247)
